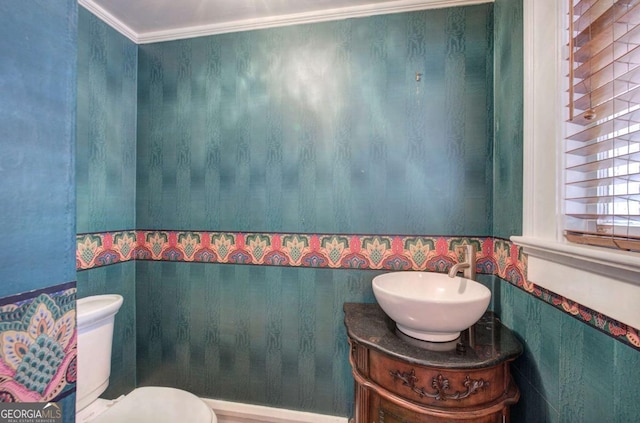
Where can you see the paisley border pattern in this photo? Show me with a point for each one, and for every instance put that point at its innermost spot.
(38, 351)
(495, 256)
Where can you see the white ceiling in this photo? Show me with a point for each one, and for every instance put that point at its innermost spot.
(147, 21)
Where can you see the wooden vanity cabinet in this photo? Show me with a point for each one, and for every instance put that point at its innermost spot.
(400, 382)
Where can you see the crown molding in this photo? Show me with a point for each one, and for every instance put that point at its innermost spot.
(109, 19)
(388, 7)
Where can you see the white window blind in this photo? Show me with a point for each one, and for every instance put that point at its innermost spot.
(602, 179)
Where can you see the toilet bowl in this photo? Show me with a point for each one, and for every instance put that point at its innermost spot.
(143, 405)
(150, 404)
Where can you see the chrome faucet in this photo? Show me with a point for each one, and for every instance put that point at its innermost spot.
(468, 266)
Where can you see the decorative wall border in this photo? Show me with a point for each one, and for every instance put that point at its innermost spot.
(375, 252)
(495, 256)
(38, 345)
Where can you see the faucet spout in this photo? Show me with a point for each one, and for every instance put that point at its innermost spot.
(468, 265)
(457, 268)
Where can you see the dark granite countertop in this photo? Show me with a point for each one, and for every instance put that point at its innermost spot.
(487, 344)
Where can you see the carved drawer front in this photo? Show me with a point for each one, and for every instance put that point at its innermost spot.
(383, 411)
(438, 387)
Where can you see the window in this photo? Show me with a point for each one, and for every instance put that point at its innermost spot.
(602, 185)
(605, 280)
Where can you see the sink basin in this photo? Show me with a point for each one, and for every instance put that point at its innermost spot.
(431, 306)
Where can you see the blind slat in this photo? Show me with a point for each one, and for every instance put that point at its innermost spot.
(623, 243)
(607, 164)
(627, 99)
(581, 7)
(614, 52)
(608, 127)
(602, 182)
(607, 145)
(597, 28)
(592, 12)
(588, 78)
(621, 88)
(598, 200)
(598, 216)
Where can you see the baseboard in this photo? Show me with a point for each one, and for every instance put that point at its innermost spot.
(234, 412)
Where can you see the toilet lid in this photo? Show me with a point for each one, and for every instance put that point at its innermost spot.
(158, 405)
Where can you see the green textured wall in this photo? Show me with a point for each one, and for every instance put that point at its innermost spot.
(37, 190)
(37, 133)
(321, 128)
(106, 171)
(253, 334)
(569, 372)
(508, 119)
(106, 127)
(314, 128)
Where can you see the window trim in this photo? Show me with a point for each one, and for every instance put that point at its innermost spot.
(607, 281)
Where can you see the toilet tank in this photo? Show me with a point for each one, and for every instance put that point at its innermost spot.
(95, 335)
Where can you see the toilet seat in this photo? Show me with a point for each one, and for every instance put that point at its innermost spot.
(158, 405)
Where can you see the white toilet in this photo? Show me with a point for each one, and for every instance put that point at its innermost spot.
(143, 405)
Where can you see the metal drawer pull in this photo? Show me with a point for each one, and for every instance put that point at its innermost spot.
(440, 384)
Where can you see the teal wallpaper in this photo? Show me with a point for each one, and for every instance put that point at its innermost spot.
(508, 119)
(321, 128)
(254, 334)
(569, 372)
(106, 127)
(37, 133)
(106, 172)
(37, 196)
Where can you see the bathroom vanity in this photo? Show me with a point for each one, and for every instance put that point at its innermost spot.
(399, 379)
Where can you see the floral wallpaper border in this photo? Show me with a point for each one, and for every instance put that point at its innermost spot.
(495, 256)
(38, 345)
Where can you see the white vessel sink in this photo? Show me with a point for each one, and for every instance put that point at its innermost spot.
(431, 306)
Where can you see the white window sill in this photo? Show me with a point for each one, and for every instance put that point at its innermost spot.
(606, 281)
